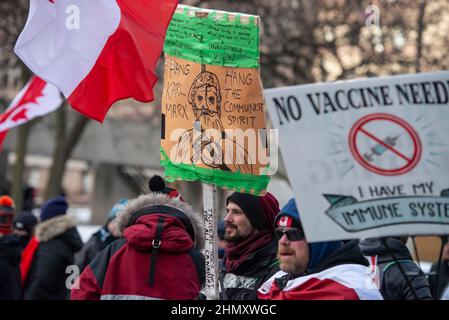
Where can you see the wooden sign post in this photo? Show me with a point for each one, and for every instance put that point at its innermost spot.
(210, 241)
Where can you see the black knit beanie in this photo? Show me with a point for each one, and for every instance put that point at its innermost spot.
(251, 207)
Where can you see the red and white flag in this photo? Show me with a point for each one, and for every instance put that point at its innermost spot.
(96, 52)
(36, 99)
(342, 282)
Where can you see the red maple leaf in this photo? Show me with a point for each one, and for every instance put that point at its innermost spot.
(33, 92)
(20, 115)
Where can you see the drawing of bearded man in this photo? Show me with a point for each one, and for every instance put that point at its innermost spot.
(207, 141)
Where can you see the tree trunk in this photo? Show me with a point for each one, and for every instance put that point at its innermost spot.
(54, 185)
(421, 27)
(4, 167)
(63, 150)
(19, 167)
(21, 149)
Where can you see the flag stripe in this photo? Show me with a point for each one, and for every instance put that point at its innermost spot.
(138, 31)
(349, 278)
(96, 52)
(66, 58)
(2, 138)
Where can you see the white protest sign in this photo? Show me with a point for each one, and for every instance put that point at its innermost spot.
(368, 157)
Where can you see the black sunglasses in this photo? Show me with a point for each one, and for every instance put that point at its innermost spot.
(293, 234)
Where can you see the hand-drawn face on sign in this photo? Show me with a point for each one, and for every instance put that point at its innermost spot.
(205, 98)
(212, 115)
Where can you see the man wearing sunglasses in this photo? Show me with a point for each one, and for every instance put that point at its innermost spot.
(316, 271)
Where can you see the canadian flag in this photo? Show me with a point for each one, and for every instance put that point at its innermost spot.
(285, 221)
(36, 99)
(96, 52)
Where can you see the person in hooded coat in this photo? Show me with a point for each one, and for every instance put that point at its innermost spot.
(23, 226)
(158, 257)
(6, 215)
(10, 253)
(393, 282)
(316, 271)
(58, 240)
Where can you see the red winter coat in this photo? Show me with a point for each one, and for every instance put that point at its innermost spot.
(158, 258)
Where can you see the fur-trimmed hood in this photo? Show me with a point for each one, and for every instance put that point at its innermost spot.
(142, 201)
(54, 227)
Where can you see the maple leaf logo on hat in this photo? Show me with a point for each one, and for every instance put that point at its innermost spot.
(285, 221)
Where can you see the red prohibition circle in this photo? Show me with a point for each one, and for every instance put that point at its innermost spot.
(358, 126)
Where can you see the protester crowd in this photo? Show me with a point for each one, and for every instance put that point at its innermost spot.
(145, 242)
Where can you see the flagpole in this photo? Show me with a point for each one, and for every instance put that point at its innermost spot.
(210, 241)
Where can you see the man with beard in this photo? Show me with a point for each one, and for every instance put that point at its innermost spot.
(211, 146)
(250, 252)
(316, 271)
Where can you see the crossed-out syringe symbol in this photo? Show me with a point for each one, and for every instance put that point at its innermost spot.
(380, 149)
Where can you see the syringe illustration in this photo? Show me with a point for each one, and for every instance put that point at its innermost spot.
(379, 149)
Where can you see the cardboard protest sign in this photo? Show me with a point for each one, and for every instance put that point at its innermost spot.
(212, 104)
(367, 158)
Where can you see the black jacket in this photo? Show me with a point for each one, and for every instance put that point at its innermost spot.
(251, 273)
(393, 284)
(443, 278)
(348, 253)
(10, 254)
(99, 240)
(58, 242)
